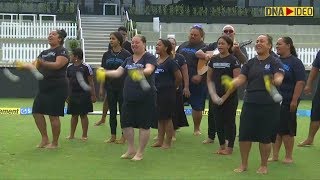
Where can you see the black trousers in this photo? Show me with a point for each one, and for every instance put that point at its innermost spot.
(114, 98)
(211, 123)
(225, 119)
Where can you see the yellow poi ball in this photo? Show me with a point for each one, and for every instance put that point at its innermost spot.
(100, 74)
(267, 82)
(135, 75)
(226, 81)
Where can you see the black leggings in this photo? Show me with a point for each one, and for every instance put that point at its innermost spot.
(211, 121)
(114, 97)
(225, 119)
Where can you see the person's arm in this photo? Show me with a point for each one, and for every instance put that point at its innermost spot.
(296, 95)
(278, 78)
(202, 55)
(239, 81)
(177, 77)
(236, 73)
(58, 64)
(148, 70)
(92, 91)
(312, 76)
(185, 75)
(241, 56)
(115, 73)
(210, 84)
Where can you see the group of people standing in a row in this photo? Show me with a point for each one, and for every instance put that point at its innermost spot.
(173, 78)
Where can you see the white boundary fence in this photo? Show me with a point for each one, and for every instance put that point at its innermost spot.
(35, 30)
(28, 52)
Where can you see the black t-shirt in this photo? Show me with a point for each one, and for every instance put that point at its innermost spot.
(294, 71)
(126, 45)
(255, 70)
(189, 52)
(111, 61)
(72, 69)
(222, 66)
(164, 74)
(53, 78)
(132, 90)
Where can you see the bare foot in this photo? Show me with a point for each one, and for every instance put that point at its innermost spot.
(70, 137)
(287, 161)
(43, 144)
(165, 146)
(220, 151)
(52, 146)
(137, 157)
(110, 140)
(305, 143)
(262, 170)
(157, 144)
(84, 138)
(197, 133)
(227, 151)
(174, 139)
(155, 138)
(99, 123)
(208, 141)
(240, 169)
(128, 155)
(273, 159)
(122, 140)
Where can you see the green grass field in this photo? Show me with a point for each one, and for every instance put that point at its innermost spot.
(94, 159)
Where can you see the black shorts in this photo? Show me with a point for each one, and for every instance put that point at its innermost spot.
(80, 104)
(50, 102)
(288, 121)
(259, 122)
(138, 114)
(315, 109)
(166, 103)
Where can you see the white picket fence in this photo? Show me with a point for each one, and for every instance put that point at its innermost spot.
(307, 55)
(35, 30)
(23, 52)
(27, 52)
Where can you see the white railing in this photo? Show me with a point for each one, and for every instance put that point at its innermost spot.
(130, 22)
(80, 32)
(23, 52)
(35, 30)
(11, 52)
(307, 55)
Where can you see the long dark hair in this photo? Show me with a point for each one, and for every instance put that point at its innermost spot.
(168, 45)
(269, 39)
(228, 40)
(289, 41)
(118, 36)
(62, 34)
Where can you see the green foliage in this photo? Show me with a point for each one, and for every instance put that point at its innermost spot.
(73, 43)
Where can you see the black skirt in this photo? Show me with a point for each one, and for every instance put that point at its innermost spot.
(288, 121)
(166, 103)
(179, 118)
(138, 114)
(51, 102)
(259, 122)
(80, 104)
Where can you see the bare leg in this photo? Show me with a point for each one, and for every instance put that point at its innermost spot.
(197, 116)
(288, 142)
(129, 135)
(105, 109)
(85, 124)
(174, 135)
(245, 147)
(42, 126)
(55, 126)
(74, 122)
(314, 126)
(161, 133)
(275, 149)
(265, 150)
(169, 133)
(144, 135)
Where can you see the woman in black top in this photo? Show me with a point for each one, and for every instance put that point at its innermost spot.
(139, 105)
(179, 119)
(224, 112)
(111, 60)
(260, 114)
(167, 80)
(290, 89)
(53, 89)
